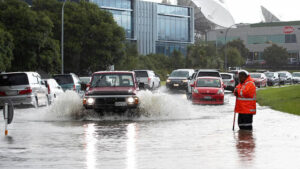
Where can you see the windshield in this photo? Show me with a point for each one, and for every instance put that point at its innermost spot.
(214, 74)
(141, 73)
(269, 74)
(179, 74)
(296, 74)
(225, 76)
(112, 80)
(282, 74)
(255, 75)
(63, 79)
(85, 80)
(208, 83)
(13, 79)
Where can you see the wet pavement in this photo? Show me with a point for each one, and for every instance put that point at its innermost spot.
(171, 134)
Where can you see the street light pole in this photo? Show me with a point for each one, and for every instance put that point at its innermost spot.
(62, 38)
(226, 43)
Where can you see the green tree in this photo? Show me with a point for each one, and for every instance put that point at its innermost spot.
(130, 60)
(177, 60)
(6, 50)
(275, 56)
(234, 57)
(32, 32)
(240, 46)
(92, 39)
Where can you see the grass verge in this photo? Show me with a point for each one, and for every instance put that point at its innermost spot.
(286, 99)
(162, 83)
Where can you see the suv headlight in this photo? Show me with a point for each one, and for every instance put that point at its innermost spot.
(185, 81)
(90, 101)
(168, 80)
(132, 100)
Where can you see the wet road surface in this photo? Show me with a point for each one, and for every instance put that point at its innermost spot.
(171, 134)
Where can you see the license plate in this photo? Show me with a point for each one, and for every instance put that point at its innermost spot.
(120, 104)
(207, 97)
(176, 85)
(10, 93)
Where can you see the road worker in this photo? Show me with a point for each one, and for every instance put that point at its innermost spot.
(245, 105)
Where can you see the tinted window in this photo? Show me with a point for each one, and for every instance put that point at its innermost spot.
(213, 74)
(63, 79)
(14, 79)
(282, 74)
(296, 74)
(269, 74)
(179, 74)
(112, 80)
(224, 76)
(141, 73)
(255, 75)
(208, 83)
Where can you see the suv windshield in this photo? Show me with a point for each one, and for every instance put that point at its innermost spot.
(213, 74)
(296, 74)
(112, 80)
(269, 74)
(282, 74)
(255, 75)
(179, 74)
(225, 76)
(141, 73)
(13, 79)
(63, 79)
(208, 83)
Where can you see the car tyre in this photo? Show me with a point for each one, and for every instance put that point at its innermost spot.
(36, 103)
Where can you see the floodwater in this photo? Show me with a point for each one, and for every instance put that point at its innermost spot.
(171, 134)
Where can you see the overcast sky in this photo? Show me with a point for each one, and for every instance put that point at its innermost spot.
(248, 11)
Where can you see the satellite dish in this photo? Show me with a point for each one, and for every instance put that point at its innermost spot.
(214, 11)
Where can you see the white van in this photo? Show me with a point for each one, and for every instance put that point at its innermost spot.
(23, 88)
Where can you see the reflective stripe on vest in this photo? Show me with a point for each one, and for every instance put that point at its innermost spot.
(246, 124)
(248, 99)
(244, 86)
(252, 110)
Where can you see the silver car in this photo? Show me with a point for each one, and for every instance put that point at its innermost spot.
(296, 77)
(228, 79)
(23, 88)
(54, 89)
(148, 77)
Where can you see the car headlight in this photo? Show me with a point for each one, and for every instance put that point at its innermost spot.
(185, 81)
(168, 80)
(132, 100)
(90, 101)
(220, 91)
(196, 91)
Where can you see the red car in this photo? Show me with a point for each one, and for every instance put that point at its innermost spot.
(260, 79)
(208, 90)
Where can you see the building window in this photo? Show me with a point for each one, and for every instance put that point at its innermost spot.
(167, 48)
(124, 4)
(171, 28)
(290, 38)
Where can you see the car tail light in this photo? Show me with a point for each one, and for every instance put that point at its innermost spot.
(149, 79)
(74, 87)
(2, 94)
(27, 90)
(48, 89)
(231, 81)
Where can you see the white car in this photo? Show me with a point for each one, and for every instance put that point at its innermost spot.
(296, 77)
(23, 89)
(229, 82)
(54, 89)
(148, 77)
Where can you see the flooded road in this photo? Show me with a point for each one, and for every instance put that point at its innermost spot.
(171, 134)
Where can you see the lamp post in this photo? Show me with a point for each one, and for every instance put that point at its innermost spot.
(226, 43)
(62, 38)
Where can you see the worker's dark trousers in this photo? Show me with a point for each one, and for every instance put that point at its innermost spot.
(245, 121)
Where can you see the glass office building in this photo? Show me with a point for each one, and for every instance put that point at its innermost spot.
(156, 28)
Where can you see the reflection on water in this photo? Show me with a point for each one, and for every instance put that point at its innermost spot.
(131, 146)
(245, 145)
(90, 146)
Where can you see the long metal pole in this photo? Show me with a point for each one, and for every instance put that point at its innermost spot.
(62, 38)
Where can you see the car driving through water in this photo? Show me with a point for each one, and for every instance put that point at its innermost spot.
(112, 91)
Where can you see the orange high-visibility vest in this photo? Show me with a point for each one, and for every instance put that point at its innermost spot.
(246, 97)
